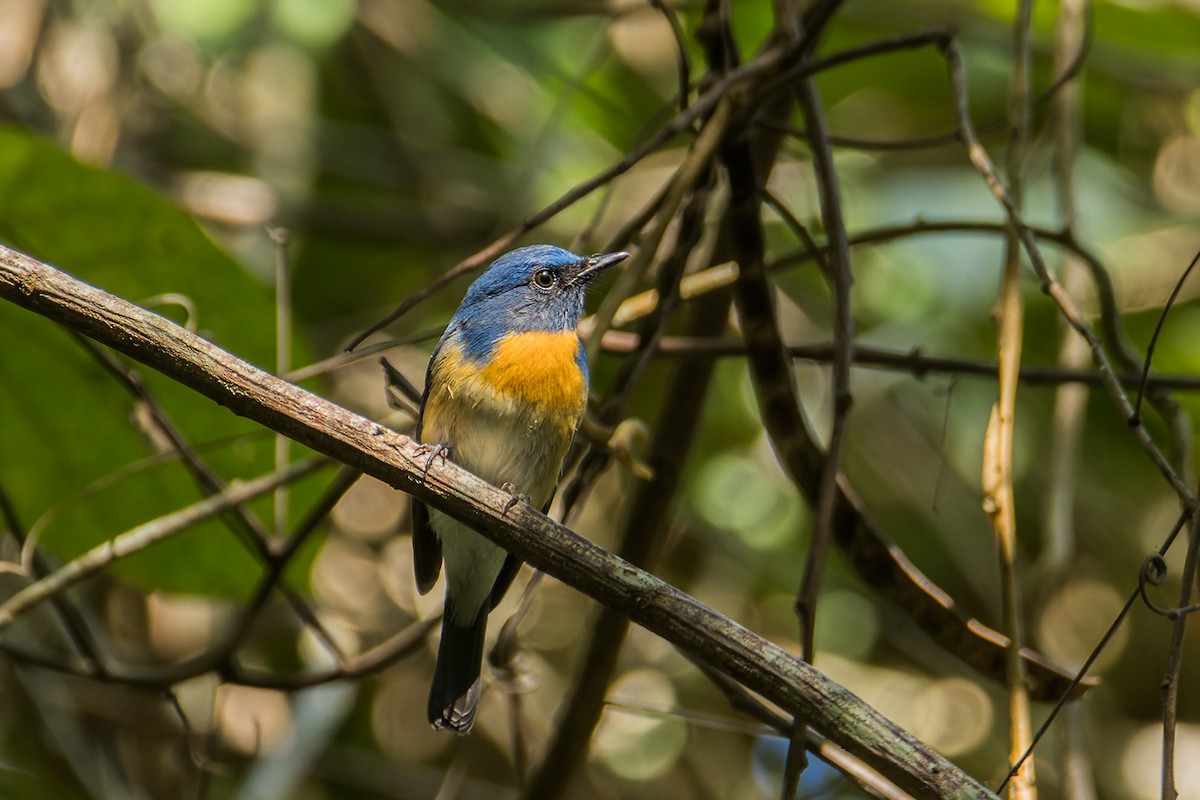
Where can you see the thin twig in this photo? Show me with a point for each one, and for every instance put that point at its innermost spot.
(909, 40)
(283, 362)
(345, 359)
(681, 57)
(913, 361)
(1174, 670)
(1158, 326)
(999, 496)
(840, 279)
(839, 276)
(148, 534)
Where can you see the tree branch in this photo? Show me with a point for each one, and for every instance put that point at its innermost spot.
(395, 459)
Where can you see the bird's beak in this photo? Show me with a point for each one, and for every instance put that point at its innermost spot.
(597, 264)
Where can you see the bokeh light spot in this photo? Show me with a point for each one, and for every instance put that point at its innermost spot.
(737, 494)
(640, 746)
(953, 716)
(1074, 620)
(203, 19)
(251, 720)
(1141, 766)
(315, 23)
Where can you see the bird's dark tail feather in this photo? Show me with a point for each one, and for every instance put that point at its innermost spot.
(455, 691)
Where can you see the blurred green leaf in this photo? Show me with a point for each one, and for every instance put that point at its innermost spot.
(72, 424)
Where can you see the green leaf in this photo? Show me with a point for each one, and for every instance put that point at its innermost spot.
(66, 424)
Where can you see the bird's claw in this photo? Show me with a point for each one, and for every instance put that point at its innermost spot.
(435, 451)
(515, 497)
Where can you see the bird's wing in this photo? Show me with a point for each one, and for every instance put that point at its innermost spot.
(427, 548)
(508, 571)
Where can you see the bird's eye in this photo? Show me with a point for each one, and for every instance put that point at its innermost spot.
(544, 279)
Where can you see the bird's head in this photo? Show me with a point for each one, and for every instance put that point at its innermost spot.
(536, 288)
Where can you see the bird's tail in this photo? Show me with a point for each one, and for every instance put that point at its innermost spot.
(455, 690)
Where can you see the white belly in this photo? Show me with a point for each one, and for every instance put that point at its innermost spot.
(500, 448)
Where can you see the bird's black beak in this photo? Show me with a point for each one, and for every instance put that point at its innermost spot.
(596, 264)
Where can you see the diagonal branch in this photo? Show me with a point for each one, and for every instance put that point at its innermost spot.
(697, 630)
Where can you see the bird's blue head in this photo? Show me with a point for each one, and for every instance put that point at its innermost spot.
(536, 288)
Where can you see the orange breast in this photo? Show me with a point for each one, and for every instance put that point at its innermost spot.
(538, 369)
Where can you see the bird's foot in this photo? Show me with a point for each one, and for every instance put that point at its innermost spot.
(516, 496)
(435, 451)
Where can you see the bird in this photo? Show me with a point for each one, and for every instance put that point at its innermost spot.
(505, 390)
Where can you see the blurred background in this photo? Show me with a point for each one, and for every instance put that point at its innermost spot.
(394, 138)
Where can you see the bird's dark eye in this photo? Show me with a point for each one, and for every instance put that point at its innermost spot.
(544, 278)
